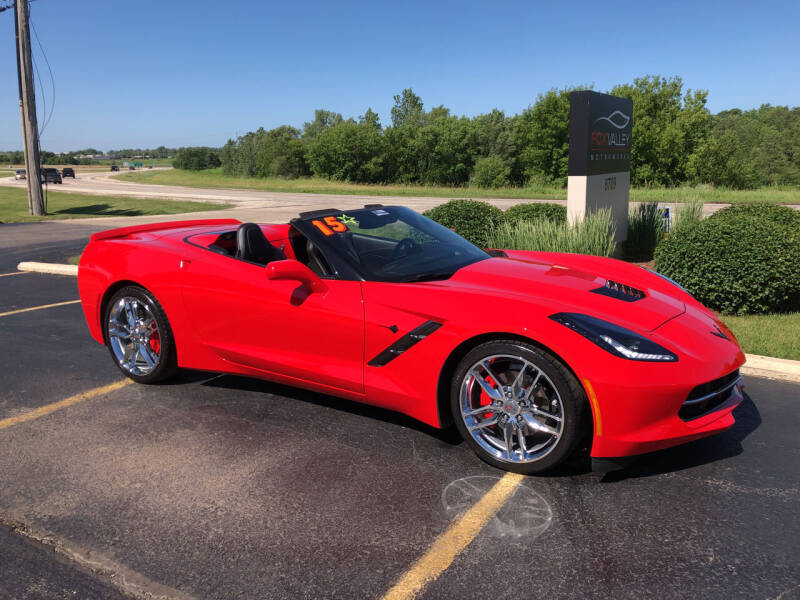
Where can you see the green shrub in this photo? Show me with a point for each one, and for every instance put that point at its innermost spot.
(736, 263)
(471, 219)
(490, 172)
(687, 214)
(593, 235)
(645, 230)
(536, 211)
(765, 211)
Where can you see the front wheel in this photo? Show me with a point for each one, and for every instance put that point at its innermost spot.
(517, 406)
(138, 335)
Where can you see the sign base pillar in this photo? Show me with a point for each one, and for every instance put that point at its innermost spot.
(590, 193)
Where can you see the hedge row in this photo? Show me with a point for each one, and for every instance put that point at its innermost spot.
(744, 259)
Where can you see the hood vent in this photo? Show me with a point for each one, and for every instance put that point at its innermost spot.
(620, 291)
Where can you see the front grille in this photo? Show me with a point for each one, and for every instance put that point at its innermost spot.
(708, 396)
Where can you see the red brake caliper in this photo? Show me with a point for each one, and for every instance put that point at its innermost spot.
(155, 342)
(485, 400)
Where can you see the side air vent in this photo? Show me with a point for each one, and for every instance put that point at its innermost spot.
(620, 291)
(410, 339)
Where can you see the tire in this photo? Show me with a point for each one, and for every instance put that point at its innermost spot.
(148, 354)
(517, 406)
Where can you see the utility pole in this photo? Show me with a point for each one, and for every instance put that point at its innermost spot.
(27, 105)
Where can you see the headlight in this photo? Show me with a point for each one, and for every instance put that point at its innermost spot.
(615, 339)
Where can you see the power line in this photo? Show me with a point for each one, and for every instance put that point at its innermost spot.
(52, 80)
(44, 98)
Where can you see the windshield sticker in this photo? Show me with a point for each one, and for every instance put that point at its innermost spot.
(330, 226)
(380, 212)
(348, 220)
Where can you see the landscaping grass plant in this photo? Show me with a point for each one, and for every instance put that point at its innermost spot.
(687, 214)
(645, 230)
(593, 235)
(60, 205)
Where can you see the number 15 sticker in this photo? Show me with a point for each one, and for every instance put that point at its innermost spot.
(330, 226)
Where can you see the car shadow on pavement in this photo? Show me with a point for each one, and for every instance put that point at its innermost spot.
(700, 452)
(449, 435)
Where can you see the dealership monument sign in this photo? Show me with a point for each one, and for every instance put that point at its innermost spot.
(599, 175)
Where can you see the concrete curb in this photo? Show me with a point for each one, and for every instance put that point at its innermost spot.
(772, 368)
(757, 366)
(49, 268)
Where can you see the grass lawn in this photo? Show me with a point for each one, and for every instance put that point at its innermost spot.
(14, 206)
(213, 178)
(769, 335)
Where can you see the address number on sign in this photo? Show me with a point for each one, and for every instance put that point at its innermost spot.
(609, 183)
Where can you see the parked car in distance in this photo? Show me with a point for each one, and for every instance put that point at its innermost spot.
(131, 168)
(50, 175)
(68, 172)
(19, 174)
(115, 167)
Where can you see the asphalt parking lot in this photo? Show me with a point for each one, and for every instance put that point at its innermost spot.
(227, 487)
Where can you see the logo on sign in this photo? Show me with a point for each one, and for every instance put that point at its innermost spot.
(617, 118)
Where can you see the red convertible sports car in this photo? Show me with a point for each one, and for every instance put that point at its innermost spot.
(527, 353)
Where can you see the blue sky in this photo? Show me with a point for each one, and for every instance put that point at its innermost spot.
(179, 72)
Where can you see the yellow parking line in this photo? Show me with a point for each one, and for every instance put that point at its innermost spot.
(24, 310)
(48, 408)
(453, 541)
(10, 274)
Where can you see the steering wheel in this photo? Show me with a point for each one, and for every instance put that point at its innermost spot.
(403, 248)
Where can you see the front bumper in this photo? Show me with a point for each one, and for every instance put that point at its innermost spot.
(668, 431)
(656, 406)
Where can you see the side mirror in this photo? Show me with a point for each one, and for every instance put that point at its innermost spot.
(296, 271)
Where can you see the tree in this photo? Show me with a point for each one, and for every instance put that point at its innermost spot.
(322, 120)
(542, 136)
(278, 152)
(719, 161)
(348, 151)
(667, 128)
(407, 110)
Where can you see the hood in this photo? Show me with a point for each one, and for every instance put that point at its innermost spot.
(574, 283)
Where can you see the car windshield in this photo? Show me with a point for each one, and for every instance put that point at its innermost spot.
(394, 243)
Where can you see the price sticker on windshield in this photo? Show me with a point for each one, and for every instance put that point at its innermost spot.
(330, 225)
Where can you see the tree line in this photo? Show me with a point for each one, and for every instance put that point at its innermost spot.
(675, 140)
(78, 157)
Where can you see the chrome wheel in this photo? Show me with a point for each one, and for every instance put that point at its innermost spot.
(511, 408)
(133, 336)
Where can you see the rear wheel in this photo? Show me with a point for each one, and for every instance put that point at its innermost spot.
(138, 335)
(517, 406)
